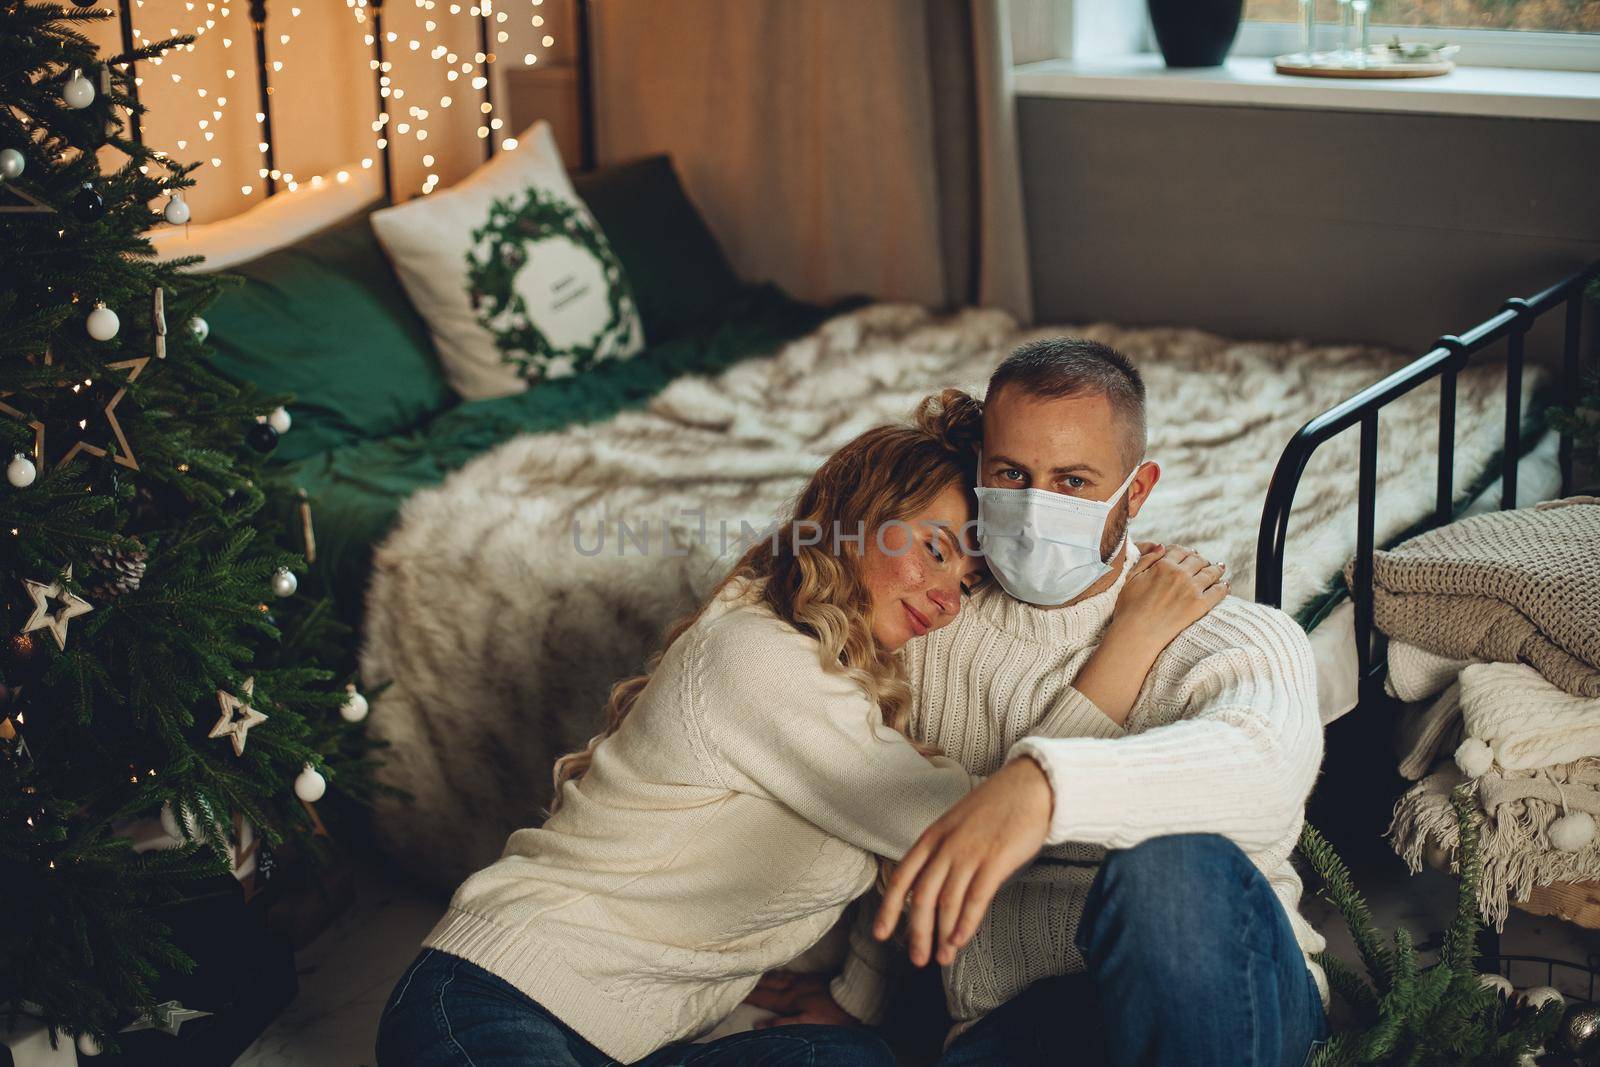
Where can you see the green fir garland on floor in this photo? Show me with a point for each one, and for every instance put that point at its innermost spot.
(1439, 1016)
(145, 565)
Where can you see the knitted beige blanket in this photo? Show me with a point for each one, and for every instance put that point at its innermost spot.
(1425, 731)
(1526, 721)
(1417, 674)
(1518, 809)
(1506, 586)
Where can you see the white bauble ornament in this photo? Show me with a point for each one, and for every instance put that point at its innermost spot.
(169, 822)
(78, 92)
(1474, 757)
(190, 830)
(12, 163)
(176, 211)
(1497, 982)
(309, 785)
(200, 328)
(102, 323)
(1539, 996)
(21, 472)
(355, 708)
(284, 583)
(87, 1045)
(279, 420)
(1572, 831)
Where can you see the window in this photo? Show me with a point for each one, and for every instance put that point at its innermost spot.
(1537, 34)
(1559, 16)
(1516, 58)
(1548, 34)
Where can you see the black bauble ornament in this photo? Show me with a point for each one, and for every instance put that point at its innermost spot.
(1579, 1033)
(262, 437)
(88, 205)
(84, 3)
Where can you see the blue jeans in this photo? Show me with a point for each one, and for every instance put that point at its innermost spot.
(1190, 963)
(446, 1012)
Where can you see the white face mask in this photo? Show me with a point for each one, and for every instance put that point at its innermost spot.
(1043, 547)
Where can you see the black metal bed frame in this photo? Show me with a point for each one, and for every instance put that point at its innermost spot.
(380, 77)
(1445, 361)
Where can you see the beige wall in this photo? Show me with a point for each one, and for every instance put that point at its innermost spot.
(323, 101)
(1280, 222)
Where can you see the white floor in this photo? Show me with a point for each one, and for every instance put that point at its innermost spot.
(346, 975)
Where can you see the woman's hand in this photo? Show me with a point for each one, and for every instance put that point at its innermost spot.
(953, 871)
(1166, 591)
(798, 998)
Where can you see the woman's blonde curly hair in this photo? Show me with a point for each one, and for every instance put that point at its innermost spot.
(887, 474)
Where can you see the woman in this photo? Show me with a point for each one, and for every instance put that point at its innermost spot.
(738, 799)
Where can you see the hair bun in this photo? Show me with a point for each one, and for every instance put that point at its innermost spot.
(955, 418)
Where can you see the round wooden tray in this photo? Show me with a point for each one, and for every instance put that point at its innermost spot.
(1329, 65)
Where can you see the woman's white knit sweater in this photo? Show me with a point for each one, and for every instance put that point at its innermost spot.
(1224, 738)
(718, 834)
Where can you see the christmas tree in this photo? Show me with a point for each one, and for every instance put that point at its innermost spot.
(1444, 1015)
(156, 655)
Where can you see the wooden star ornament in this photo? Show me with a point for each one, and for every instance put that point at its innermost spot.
(168, 1017)
(107, 411)
(71, 606)
(15, 200)
(237, 716)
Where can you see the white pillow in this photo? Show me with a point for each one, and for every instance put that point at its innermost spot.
(276, 222)
(511, 273)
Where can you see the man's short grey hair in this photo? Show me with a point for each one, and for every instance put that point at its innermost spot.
(1059, 367)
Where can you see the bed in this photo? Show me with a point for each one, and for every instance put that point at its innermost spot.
(509, 598)
(491, 631)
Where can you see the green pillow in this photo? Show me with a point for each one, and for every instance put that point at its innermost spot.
(326, 320)
(679, 276)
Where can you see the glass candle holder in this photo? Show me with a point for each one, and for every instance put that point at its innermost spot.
(1308, 28)
(1345, 43)
(1358, 9)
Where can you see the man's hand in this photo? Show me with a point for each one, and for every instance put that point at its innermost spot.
(798, 998)
(953, 871)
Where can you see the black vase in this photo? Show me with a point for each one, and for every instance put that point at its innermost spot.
(1195, 33)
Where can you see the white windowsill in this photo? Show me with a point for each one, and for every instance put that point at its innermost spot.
(1250, 81)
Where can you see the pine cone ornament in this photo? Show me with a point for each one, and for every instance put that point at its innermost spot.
(116, 570)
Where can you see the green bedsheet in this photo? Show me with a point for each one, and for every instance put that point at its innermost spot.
(356, 491)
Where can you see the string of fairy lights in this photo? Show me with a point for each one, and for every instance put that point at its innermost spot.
(212, 105)
(465, 70)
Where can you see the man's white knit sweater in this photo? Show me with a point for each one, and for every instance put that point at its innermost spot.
(1224, 738)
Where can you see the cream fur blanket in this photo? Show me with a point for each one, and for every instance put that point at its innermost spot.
(501, 632)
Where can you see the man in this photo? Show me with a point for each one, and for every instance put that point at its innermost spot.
(1172, 934)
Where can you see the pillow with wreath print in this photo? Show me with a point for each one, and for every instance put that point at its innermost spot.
(512, 274)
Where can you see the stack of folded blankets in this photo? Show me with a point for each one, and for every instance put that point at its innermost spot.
(1494, 627)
